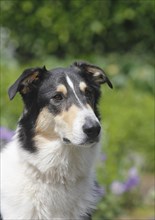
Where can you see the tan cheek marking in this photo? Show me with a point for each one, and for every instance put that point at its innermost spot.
(45, 126)
(62, 88)
(82, 86)
(69, 116)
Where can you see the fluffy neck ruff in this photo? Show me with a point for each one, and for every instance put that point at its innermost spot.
(58, 163)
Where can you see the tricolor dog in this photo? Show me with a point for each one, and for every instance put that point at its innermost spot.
(47, 171)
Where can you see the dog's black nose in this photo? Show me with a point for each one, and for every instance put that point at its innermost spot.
(91, 129)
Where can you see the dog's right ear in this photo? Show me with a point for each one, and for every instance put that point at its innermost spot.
(98, 75)
(28, 80)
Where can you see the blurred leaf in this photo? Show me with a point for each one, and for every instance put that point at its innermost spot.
(78, 28)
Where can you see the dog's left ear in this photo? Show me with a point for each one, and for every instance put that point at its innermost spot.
(28, 81)
(96, 72)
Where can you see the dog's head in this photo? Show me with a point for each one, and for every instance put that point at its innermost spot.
(61, 103)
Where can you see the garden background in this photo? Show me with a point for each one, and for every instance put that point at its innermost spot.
(117, 35)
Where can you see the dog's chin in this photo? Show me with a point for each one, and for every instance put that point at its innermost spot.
(85, 143)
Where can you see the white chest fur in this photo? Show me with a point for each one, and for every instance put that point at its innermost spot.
(55, 182)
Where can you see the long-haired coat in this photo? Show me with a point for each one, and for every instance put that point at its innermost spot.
(47, 170)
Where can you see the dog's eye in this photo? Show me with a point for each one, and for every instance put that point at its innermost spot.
(58, 97)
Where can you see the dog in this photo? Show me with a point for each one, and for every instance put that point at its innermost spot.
(47, 170)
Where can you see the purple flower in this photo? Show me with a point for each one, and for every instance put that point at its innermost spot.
(117, 188)
(132, 172)
(6, 134)
(132, 181)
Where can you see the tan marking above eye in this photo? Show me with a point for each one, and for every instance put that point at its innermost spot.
(61, 88)
(82, 86)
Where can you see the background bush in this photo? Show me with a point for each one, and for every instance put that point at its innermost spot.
(77, 27)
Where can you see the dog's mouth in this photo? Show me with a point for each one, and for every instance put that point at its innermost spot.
(86, 142)
(66, 141)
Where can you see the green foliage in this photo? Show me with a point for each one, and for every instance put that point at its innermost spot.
(77, 27)
(128, 128)
(113, 206)
(109, 208)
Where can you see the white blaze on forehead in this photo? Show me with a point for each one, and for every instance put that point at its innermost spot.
(70, 83)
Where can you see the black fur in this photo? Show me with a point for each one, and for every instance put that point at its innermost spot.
(1, 217)
(26, 131)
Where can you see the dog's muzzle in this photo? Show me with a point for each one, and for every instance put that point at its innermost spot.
(92, 130)
(90, 133)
